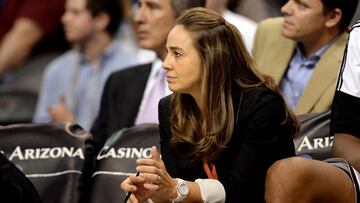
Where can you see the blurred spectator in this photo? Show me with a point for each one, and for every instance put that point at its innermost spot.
(356, 15)
(73, 83)
(246, 26)
(302, 51)
(23, 25)
(127, 35)
(258, 10)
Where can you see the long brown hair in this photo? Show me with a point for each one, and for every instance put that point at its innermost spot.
(225, 62)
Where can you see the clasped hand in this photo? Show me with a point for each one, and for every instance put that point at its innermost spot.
(153, 182)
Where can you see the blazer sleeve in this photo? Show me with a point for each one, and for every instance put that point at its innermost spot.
(165, 136)
(260, 139)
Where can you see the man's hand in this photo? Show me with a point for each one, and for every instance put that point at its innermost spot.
(60, 112)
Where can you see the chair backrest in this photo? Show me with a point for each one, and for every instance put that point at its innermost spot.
(116, 160)
(14, 186)
(17, 105)
(314, 139)
(52, 156)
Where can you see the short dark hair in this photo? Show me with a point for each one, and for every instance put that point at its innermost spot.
(111, 7)
(347, 7)
(181, 5)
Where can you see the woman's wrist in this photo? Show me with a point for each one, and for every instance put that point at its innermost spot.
(172, 188)
(169, 192)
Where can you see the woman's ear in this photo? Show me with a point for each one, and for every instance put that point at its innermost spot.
(334, 18)
(102, 20)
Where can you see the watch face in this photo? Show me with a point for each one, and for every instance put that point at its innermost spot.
(183, 189)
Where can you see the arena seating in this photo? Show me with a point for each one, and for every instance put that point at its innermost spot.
(116, 161)
(17, 104)
(59, 159)
(51, 156)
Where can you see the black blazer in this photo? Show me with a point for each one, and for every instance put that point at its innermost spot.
(120, 101)
(258, 140)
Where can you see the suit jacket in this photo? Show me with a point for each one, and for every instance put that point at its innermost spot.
(242, 165)
(272, 54)
(120, 101)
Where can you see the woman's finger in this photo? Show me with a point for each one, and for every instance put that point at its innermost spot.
(154, 161)
(137, 179)
(151, 178)
(133, 199)
(125, 184)
(151, 186)
(150, 172)
(129, 185)
(155, 154)
(149, 162)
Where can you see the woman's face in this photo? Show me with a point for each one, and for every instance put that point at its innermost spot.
(182, 63)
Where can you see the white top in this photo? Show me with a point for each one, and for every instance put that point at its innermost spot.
(156, 65)
(246, 26)
(350, 78)
(212, 191)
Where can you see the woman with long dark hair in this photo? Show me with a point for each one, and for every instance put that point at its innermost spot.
(223, 126)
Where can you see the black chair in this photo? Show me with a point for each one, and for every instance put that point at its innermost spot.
(52, 156)
(314, 140)
(17, 104)
(116, 160)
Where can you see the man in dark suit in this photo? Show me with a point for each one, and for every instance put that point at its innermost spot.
(127, 92)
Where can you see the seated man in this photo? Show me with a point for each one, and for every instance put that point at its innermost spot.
(335, 180)
(73, 83)
(302, 51)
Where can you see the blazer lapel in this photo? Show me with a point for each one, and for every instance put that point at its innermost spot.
(280, 61)
(272, 52)
(324, 75)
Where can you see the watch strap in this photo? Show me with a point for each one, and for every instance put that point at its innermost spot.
(180, 197)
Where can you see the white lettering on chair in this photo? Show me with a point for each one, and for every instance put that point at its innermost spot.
(46, 153)
(127, 153)
(322, 142)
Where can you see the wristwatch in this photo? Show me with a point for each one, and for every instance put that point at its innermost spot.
(182, 189)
